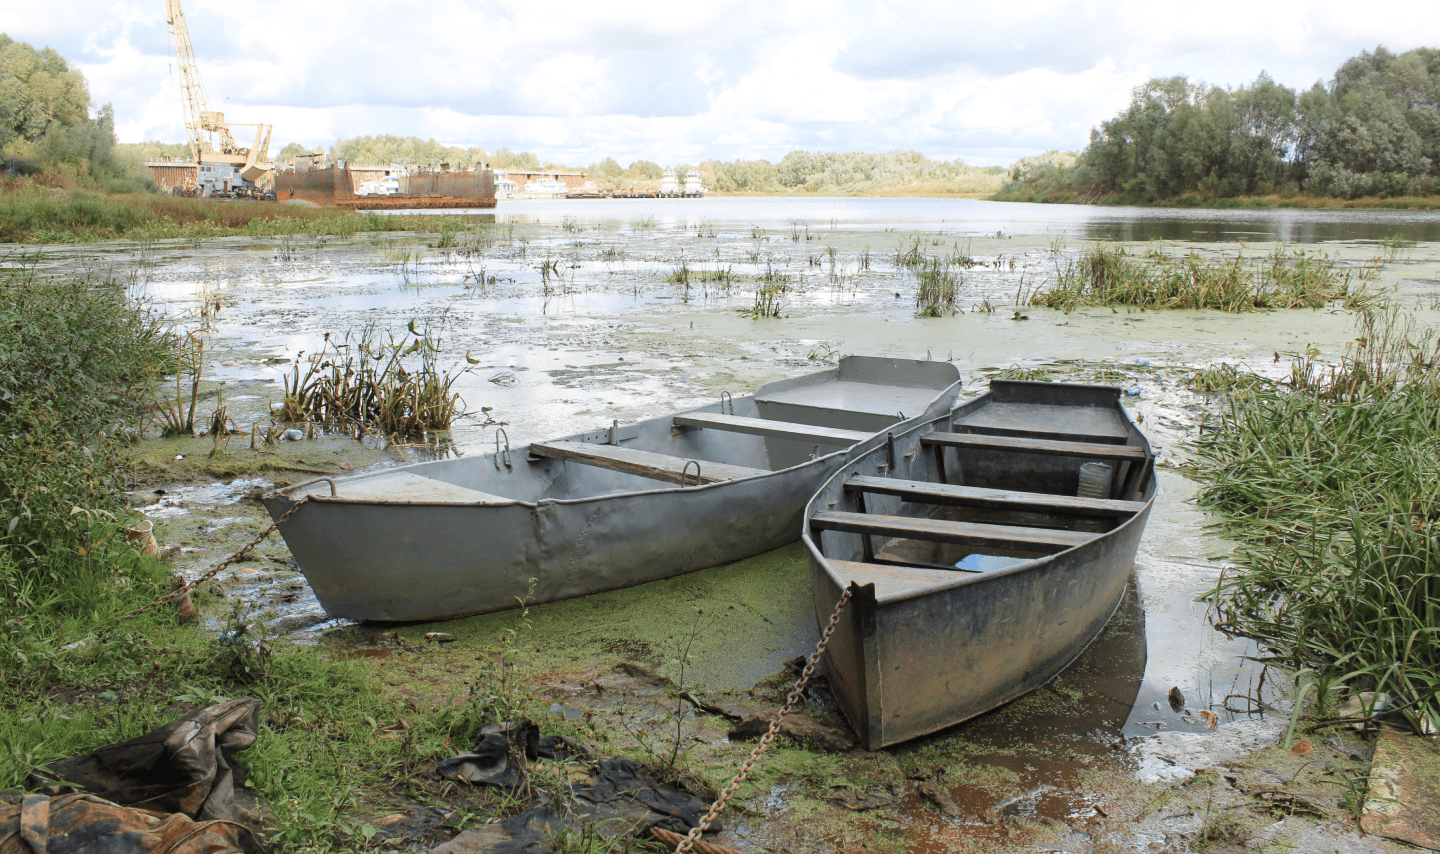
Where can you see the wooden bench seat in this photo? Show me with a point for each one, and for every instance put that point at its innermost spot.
(943, 531)
(643, 463)
(923, 492)
(1048, 447)
(775, 429)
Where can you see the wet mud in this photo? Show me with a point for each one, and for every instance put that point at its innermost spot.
(578, 313)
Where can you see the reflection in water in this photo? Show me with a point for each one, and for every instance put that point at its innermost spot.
(975, 218)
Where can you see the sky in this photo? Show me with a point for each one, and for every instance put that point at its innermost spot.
(576, 82)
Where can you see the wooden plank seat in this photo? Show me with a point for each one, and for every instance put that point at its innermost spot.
(643, 463)
(775, 429)
(924, 492)
(944, 531)
(1048, 447)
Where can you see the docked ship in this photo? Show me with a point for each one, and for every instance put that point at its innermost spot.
(318, 180)
(693, 188)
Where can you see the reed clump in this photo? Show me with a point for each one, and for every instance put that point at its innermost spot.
(362, 382)
(1327, 481)
(938, 290)
(1111, 276)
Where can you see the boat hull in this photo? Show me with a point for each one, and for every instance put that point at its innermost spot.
(400, 556)
(904, 663)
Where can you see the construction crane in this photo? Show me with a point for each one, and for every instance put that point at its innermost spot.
(211, 141)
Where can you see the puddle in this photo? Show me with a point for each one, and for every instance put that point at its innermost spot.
(576, 313)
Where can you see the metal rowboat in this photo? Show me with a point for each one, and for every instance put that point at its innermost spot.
(555, 520)
(978, 572)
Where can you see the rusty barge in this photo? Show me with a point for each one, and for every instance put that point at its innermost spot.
(324, 183)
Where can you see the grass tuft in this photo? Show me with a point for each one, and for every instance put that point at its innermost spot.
(1327, 481)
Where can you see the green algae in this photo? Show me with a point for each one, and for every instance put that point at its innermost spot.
(746, 618)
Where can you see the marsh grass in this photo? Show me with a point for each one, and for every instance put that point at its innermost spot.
(1327, 481)
(1109, 276)
(938, 288)
(362, 381)
(38, 215)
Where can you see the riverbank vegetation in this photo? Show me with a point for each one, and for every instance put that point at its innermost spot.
(1370, 133)
(894, 173)
(1110, 275)
(30, 213)
(1327, 481)
(79, 667)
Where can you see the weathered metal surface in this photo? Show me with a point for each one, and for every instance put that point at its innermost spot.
(379, 550)
(926, 645)
(333, 186)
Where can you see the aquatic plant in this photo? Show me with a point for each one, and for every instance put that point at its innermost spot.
(363, 382)
(176, 415)
(938, 288)
(1327, 482)
(1108, 275)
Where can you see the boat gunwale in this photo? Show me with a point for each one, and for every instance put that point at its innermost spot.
(963, 578)
(288, 492)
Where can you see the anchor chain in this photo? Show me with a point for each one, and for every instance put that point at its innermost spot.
(184, 589)
(693, 837)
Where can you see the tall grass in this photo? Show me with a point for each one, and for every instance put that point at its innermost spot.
(1109, 275)
(1328, 482)
(39, 215)
(938, 288)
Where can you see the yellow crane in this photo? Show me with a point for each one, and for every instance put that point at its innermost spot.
(211, 140)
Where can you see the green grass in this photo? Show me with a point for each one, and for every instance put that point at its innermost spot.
(1327, 482)
(1111, 276)
(937, 288)
(75, 356)
(38, 215)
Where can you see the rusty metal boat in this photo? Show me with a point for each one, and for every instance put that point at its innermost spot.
(984, 551)
(582, 514)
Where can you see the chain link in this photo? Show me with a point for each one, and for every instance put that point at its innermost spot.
(184, 589)
(718, 807)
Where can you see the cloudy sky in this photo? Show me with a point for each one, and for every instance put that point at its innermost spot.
(681, 82)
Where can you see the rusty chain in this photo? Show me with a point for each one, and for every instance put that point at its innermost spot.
(716, 808)
(184, 589)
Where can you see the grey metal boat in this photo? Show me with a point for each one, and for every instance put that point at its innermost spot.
(986, 549)
(565, 518)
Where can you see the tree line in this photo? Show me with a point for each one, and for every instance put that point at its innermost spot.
(1374, 130)
(45, 121)
(797, 172)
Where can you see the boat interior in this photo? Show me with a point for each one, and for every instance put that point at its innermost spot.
(1023, 472)
(786, 423)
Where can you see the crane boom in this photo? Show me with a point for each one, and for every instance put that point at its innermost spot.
(192, 90)
(200, 121)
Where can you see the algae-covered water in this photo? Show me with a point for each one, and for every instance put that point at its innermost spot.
(575, 313)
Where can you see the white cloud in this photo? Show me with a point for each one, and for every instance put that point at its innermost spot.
(579, 81)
